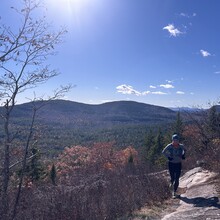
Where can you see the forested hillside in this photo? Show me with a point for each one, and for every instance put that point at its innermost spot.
(103, 115)
(61, 123)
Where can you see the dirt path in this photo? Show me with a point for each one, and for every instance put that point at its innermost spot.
(199, 200)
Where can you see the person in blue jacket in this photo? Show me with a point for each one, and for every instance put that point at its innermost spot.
(175, 153)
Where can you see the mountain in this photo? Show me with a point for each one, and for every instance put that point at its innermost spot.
(111, 113)
(61, 123)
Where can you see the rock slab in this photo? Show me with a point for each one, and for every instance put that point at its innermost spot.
(199, 199)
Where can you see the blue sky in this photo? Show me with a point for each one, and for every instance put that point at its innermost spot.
(161, 52)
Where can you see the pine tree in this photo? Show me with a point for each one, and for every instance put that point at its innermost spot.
(37, 170)
(156, 149)
(213, 123)
(53, 174)
(149, 143)
(178, 126)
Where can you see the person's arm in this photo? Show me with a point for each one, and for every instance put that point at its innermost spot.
(166, 152)
(184, 153)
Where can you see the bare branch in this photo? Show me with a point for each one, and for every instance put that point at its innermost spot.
(23, 53)
(20, 161)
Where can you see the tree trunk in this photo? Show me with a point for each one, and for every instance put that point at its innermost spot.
(24, 165)
(6, 164)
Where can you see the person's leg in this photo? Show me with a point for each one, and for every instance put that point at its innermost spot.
(177, 174)
(172, 172)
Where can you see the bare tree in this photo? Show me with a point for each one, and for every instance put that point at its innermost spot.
(23, 53)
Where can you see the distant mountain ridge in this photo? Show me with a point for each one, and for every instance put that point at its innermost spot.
(62, 111)
(61, 123)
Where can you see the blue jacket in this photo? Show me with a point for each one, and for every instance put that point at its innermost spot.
(174, 153)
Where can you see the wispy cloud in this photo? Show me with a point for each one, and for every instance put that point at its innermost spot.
(180, 93)
(159, 93)
(205, 53)
(154, 93)
(169, 81)
(187, 15)
(126, 89)
(172, 30)
(146, 92)
(167, 86)
(108, 100)
(184, 15)
(217, 72)
(129, 90)
(153, 87)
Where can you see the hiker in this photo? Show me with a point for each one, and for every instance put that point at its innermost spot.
(175, 153)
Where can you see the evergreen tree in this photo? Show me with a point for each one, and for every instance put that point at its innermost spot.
(34, 169)
(37, 170)
(131, 159)
(213, 123)
(159, 143)
(178, 126)
(149, 140)
(149, 143)
(156, 149)
(53, 174)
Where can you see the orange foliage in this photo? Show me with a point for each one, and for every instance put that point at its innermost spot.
(102, 154)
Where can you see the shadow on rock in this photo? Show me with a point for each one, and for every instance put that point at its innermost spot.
(202, 202)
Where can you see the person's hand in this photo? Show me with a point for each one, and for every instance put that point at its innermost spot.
(183, 157)
(170, 158)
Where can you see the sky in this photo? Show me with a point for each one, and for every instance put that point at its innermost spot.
(160, 52)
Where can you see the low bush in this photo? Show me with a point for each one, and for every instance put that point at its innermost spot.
(92, 194)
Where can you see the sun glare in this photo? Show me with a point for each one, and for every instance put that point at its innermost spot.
(67, 3)
(72, 13)
(67, 8)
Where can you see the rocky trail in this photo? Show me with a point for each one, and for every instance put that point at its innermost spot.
(199, 199)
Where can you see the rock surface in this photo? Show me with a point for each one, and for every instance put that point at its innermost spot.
(198, 200)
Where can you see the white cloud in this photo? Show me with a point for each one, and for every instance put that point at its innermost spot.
(172, 30)
(108, 100)
(153, 87)
(154, 93)
(167, 86)
(169, 81)
(217, 72)
(180, 93)
(146, 92)
(205, 53)
(126, 89)
(184, 15)
(187, 15)
(159, 93)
